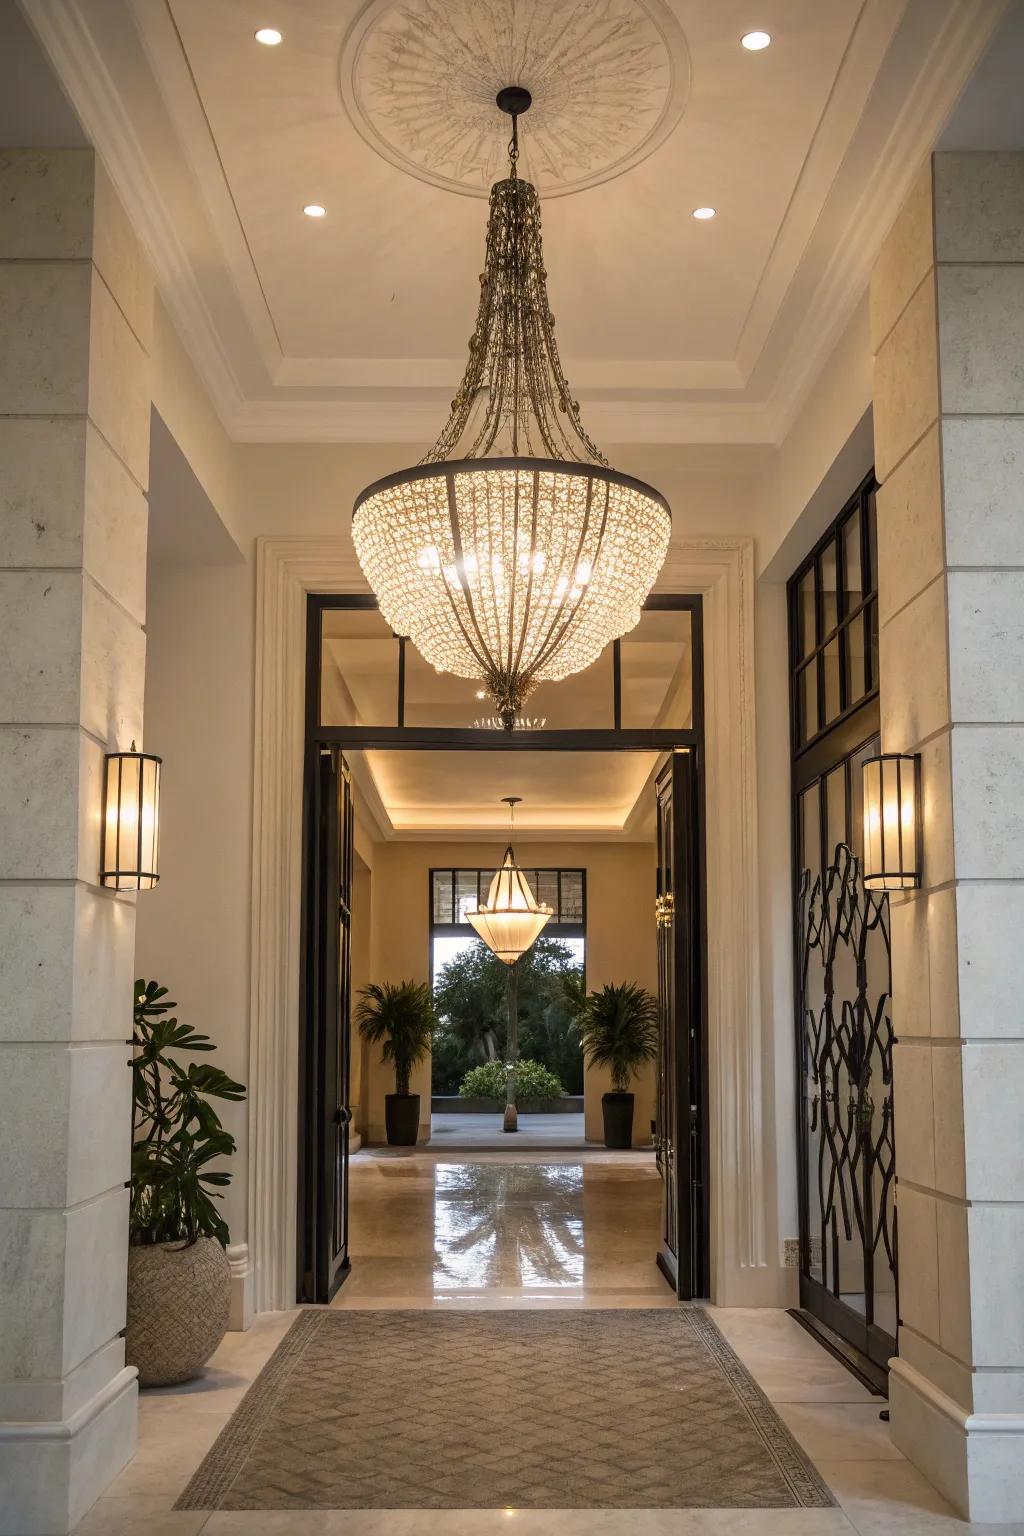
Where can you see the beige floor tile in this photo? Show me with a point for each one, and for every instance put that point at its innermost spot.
(140, 1517)
(840, 1431)
(891, 1498)
(535, 1522)
(172, 1442)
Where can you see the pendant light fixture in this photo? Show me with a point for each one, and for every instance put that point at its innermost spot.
(511, 919)
(510, 922)
(512, 553)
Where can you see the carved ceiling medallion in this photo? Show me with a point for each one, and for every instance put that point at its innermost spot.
(609, 80)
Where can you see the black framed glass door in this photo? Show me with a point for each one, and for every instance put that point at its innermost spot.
(323, 1174)
(844, 1035)
(681, 1131)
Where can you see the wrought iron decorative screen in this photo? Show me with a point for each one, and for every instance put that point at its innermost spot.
(846, 1135)
(849, 1246)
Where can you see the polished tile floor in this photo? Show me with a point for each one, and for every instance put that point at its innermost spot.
(542, 1230)
(478, 1132)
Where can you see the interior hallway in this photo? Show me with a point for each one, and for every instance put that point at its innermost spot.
(559, 1230)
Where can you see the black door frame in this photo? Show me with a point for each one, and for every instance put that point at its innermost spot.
(682, 1134)
(400, 737)
(322, 1248)
(862, 1345)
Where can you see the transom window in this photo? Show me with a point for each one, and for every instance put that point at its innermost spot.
(834, 621)
(454, 892)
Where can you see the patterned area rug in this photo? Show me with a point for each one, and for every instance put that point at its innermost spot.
(482, 1410)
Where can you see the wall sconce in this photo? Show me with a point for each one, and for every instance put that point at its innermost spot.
(130, 857)
(892, 822)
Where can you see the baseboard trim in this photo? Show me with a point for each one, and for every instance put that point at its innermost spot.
(973, 1459)
(52, 1473)
(67, 1429)
(240, 1311)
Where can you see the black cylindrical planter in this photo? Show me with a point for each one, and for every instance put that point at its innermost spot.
(617, 1109)
(402, 1118)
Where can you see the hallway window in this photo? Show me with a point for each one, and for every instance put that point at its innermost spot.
(834, 622)
(454, 892)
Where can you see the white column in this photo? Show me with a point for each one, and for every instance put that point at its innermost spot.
(75, 311)
(948, 317)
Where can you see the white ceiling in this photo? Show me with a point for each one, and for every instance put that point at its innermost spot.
(354, 327)
(598, 796)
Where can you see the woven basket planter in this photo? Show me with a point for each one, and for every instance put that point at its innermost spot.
(178, 1299)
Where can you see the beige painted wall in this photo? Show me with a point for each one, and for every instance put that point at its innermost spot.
(620, 943)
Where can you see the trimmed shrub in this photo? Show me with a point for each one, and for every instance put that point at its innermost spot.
(534, 1083)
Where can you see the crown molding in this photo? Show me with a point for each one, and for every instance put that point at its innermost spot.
(70, 38)
(124, 70)
(419, 421)
(948, 64)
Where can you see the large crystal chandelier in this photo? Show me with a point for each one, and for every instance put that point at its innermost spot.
(512, 553)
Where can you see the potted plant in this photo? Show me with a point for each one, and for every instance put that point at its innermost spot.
(400, 1019)
(179, 1283)
(618, 1028)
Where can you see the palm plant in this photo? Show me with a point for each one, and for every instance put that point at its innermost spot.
(618, 1029)
(400, 1019)
(176, 1132)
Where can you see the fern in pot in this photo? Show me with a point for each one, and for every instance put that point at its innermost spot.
(618, 1029)
(179, 1282)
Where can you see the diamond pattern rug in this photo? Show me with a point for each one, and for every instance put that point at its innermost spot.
(533, 1410)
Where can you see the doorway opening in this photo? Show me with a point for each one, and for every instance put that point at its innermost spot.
(403, 830)
(469, 985)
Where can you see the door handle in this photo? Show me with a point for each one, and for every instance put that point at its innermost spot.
(342, 1116)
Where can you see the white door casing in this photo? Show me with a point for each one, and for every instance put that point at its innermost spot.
(744, 1261)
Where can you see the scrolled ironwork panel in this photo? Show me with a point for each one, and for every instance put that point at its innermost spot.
(845, 984)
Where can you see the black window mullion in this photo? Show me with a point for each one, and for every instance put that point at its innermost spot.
(819, 636)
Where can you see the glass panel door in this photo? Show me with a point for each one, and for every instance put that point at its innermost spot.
(681, 1129)
(324, 1170)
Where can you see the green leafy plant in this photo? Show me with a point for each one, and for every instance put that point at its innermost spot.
(534, 1082)
(618, 1028)
(400, 1019)
(176, 1132)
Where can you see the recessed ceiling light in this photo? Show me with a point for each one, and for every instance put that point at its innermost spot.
(704, 213)
(314, 211)
(755, 41)
(269, 37)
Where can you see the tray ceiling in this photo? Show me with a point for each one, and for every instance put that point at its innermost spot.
(354, 326)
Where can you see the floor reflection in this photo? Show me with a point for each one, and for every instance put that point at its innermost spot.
(483, 1228)
(508, 1224)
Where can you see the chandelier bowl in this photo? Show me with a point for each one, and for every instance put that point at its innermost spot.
(512, 570)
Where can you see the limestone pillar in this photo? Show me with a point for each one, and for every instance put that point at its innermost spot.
(947, 305)
(75, 309)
